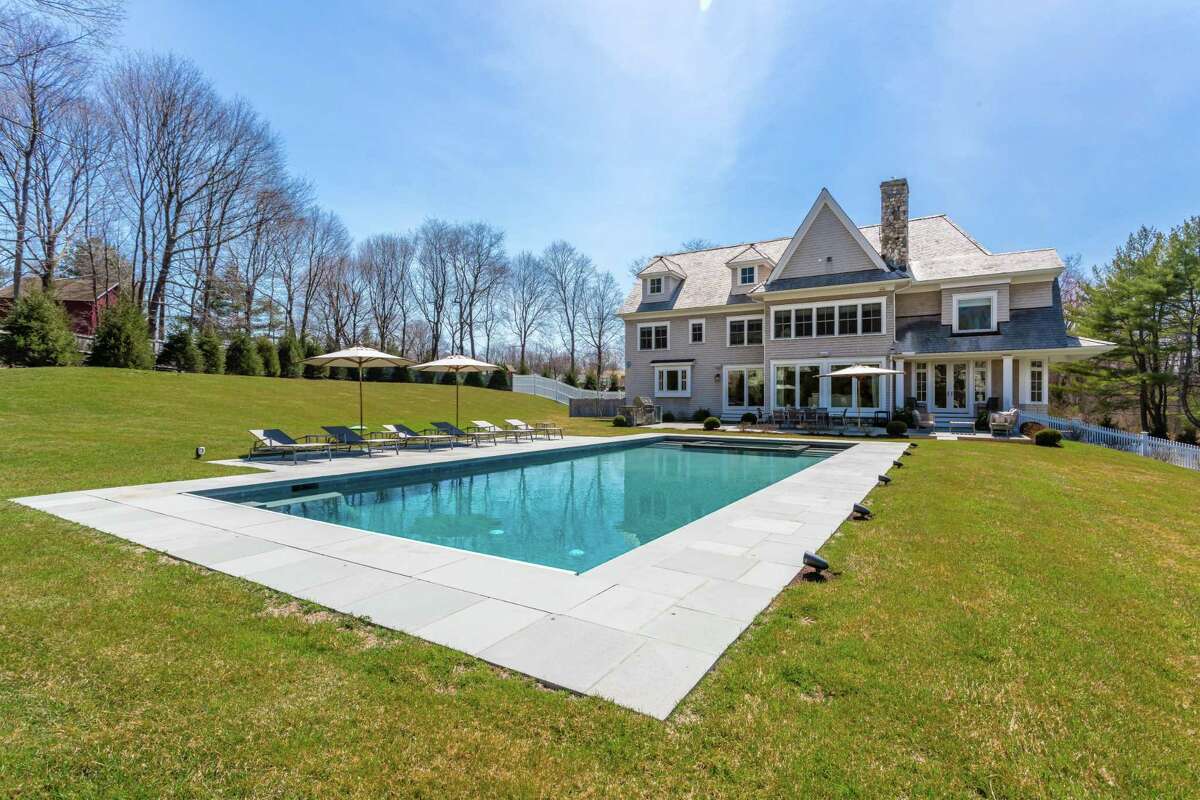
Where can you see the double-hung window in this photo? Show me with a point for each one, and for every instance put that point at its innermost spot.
(673, 381)
(826, 321)
(745, 331)
(975, 312)
(847, 320)
(653, 337)
(1036, 378)
(783, 324)
(872, 318)
(696, 331)
(655, 286)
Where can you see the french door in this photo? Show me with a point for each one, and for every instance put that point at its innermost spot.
(744, 389)
(955, 385)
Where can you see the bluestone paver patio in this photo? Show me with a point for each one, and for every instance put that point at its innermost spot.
(640, 630)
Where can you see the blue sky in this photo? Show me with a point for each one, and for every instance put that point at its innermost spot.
(626, 128)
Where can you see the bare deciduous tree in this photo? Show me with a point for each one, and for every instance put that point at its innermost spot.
(568, 272)
(528, 299)
(601, 325)
(437, 248)
(385, 262)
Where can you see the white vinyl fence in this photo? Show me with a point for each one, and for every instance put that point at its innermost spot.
(557, 390)
(1177, 453)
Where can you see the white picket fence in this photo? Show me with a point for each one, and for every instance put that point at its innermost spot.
(1142, 444)
(557, 390)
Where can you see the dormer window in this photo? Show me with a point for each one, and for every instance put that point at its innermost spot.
(746, 276)
(975, 313)
(654, 286)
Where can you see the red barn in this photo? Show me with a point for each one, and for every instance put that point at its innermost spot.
(84, 303)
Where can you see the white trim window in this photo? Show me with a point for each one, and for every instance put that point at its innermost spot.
(654, 285)
(673, 380)
(743, 331)
(981, 383)
(1035, 381)
(975, 312)
(921, 382)
(746, 275)
(807, 384)
(841, 318)
(696, 331)
(654, 336)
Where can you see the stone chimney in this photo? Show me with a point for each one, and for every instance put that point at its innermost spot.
(893, 223)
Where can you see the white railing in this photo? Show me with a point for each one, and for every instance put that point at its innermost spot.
(1142, 444)
(557, 390)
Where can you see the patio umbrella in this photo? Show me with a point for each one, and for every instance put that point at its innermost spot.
(859, 371)
(358, 357)
(456, 363)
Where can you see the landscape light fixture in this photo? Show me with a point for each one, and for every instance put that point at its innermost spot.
(860, 512)
(200, 451)
(897, 463)
(884, 480)
(815, 561)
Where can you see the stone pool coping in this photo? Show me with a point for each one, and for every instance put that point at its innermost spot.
(640, 630)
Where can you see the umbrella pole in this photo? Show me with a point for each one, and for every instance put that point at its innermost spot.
(455, 374)
(360, 409)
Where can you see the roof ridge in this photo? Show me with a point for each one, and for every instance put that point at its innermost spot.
(913, 219)
(1026, 250)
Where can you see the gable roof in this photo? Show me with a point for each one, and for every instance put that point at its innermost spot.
(662, 264)
(825, 201)
(67, 289)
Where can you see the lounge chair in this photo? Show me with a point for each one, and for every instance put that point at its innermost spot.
(1002, 422)
(403, 433)
(459, 433)
(272, 441)
(547, 429)
(345, 436)
(925, 419)
(513, 433)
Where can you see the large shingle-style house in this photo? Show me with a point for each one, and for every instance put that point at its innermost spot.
(751, 327)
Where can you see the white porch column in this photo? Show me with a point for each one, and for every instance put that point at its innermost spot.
(1007, 395)
(898, 400)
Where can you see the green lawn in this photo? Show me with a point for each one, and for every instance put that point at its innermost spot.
(1015, 622)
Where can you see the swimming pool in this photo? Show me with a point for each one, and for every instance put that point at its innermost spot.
(568, 509)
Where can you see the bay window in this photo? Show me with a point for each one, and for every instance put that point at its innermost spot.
(673, 381)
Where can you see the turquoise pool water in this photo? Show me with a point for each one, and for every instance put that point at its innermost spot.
(568, 509)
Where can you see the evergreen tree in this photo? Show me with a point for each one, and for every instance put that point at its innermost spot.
(1130, 304)
(122, 339)
(180, 351)
(211, 351)
(36, 333)
(290, 355)
(268, 355)
(499, 380)
(241, 357)
(473, 379)
(312, 348)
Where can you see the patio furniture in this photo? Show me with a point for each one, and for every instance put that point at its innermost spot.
(350, 438)
(405, 434)
(880, 419)
(924, 419)
(550, 428)
(458, 433)
(837, 420)
(1002, 422)
(276, 442)
(514, 433)
(964, 426)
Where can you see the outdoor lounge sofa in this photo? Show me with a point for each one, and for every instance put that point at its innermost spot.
(512, 433)
(272, 441)
(1002, 422)
(405, 434)
(458, 433)
(345, 436)
(547, 429)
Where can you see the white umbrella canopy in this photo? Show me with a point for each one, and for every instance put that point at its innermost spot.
(456, 363)
(859, 371)
(358, 357)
